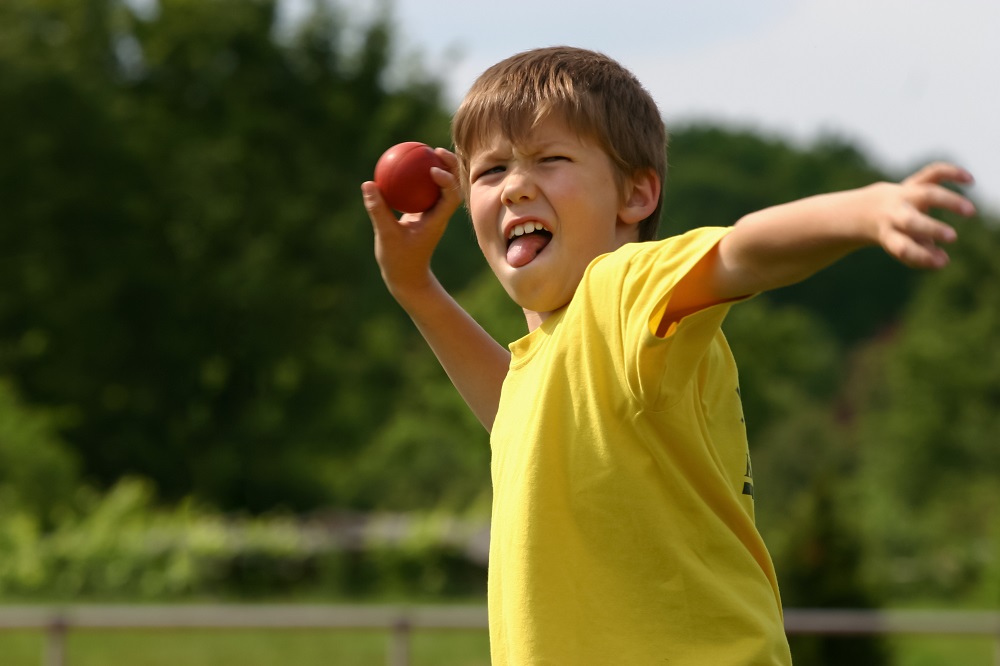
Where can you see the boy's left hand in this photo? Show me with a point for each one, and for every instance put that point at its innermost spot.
(905, 229)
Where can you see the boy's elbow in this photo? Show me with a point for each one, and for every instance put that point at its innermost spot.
(735, 273)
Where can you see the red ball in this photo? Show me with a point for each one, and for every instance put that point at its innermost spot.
(403, 175)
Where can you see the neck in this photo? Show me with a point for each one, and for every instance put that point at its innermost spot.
(535, 319)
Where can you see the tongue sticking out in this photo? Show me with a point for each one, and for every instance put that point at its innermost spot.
(523, 249)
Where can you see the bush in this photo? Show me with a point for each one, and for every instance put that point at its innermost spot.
(38, 473)
(121, 546)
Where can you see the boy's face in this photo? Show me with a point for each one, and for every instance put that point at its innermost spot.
(542, 211)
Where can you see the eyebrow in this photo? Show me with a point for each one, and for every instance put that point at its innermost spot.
(490, 154)
(533, 148)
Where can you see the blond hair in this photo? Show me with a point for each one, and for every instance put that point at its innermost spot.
(596, 96)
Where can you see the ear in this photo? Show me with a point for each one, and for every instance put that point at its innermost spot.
(642, 195)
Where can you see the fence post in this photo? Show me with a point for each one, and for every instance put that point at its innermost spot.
(399, 645)
(55, 642)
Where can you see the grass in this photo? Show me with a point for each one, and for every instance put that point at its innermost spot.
(359, 648)
(246, 648)
(944, 651)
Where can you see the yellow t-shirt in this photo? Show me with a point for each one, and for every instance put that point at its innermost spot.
(623, 523)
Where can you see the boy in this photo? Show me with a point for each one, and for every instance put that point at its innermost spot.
(622, 527)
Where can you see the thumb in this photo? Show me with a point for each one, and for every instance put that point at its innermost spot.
(379, 213)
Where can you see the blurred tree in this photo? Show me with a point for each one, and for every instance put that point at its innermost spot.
(790, 371)
(929, 399)
(181, 235)
(432, 451)
(822, 568)
(789, 362)
(188, 284)
(38, 472)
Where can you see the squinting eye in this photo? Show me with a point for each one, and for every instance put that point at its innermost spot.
(490, 171)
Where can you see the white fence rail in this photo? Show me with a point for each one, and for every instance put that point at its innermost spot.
(400, 621)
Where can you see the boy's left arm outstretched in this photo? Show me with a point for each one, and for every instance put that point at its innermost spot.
(785, 244)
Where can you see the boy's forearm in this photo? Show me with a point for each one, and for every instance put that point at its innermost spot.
(785, 244)
(475, 362)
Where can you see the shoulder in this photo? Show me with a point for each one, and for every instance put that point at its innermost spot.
(651, 269)
(673, 252)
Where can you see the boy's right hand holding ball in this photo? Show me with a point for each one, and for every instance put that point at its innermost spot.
(404, 246)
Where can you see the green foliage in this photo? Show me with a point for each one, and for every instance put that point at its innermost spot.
(790, 367)
(788, 360)
(432, 451)
(182, 265)
(38, 473)
(930, 432)
(189, 297)
(121, 545)
(823, 569)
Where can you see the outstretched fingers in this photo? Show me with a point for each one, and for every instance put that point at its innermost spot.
(937, 196)
(915, 241)
(914, 254)
(940, 172)
(913, 235)
(926, 185)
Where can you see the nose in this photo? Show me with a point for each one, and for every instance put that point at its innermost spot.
(518, 187)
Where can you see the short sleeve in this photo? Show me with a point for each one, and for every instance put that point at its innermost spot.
(657, 367)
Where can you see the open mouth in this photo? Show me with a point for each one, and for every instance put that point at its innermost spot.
(526, 241)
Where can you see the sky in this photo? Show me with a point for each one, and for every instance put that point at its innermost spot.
(907, 81)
